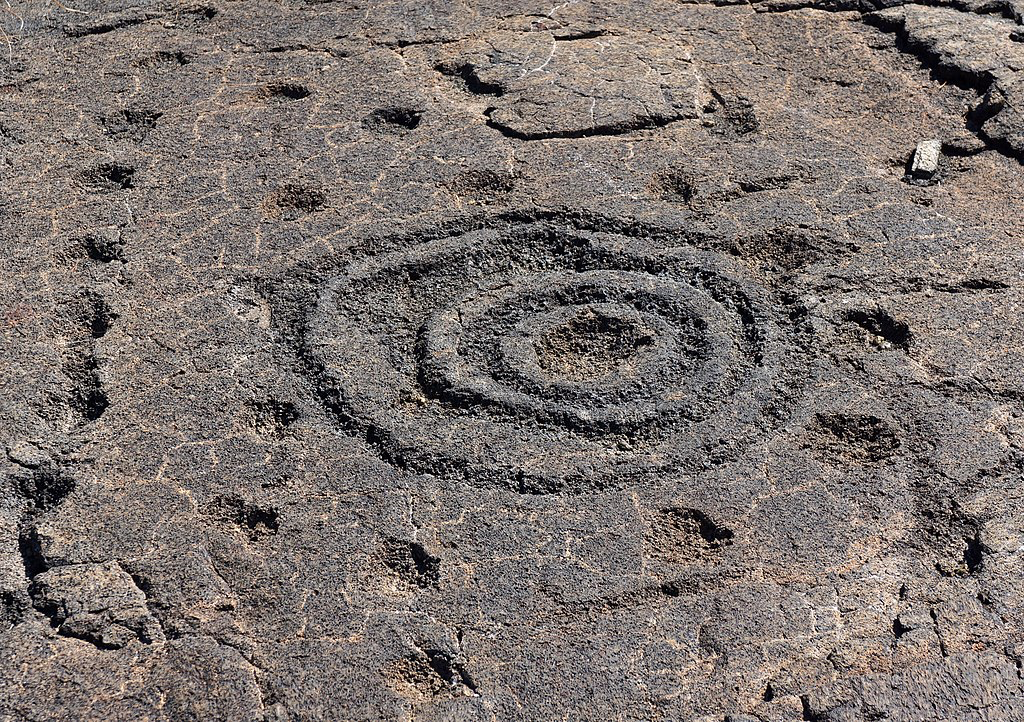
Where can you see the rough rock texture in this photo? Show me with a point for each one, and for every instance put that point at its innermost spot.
(510, 361)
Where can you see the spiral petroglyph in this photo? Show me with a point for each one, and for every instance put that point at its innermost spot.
(544, 358)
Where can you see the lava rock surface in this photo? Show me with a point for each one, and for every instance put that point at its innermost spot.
(512, 361)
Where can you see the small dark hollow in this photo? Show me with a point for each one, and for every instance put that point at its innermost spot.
(272, 417)
(766, 183)
(31, 551)
(292, 200)
(412, 563)
(394, 119)
(145, 118)
(432, 672)
(584, 35)
(974, 557)
(882, 328)
(286, 91)
(711, 532)
(898, 630)
(678, 533)
(130, 123)
(441, 663)
(45, 488)
(107, 177)
(769, 693)
(859, 437)
(175, 58)
(471, 81)
(104, 248)
(983, 284)
(255, 520)
(99, 317)
(990, 105)
(737, 112)
(670, 589)
(91, 403)
(806, 713)
(447, 668)
(674, 186)
(259, 517)
(13, 608)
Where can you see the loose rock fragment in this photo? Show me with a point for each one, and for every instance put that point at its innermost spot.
(96, 602)
(925, 164)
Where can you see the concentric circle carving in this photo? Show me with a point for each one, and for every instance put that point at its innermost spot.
(546, 358)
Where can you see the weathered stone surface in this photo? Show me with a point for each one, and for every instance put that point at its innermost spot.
(550, 84)
(510, 361)
(95, 602)
(980, 50)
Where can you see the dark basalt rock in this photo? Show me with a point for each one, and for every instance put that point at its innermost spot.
(405, 361)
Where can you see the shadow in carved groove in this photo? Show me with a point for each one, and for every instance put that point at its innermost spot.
(544, 358)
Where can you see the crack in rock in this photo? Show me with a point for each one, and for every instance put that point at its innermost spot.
(972, 50)
(543, 87)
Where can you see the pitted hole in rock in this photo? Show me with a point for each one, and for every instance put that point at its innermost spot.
(964, 555)
(785, 249)
(680, 535)
(89, 318)
(285, 92)
(974, 554)
(428, 675)
(412, 563)
(109, 23)
(862, 438)
(104, 246)
(272, 417)
(293, 201)
(674, 186)
(880, 330)
(30, 548)
(98, 316)
(256, 521)
(466, 76)
(394, 119)
(202, 12)
(108, 177)
(899, 629)
(591, 346)
(89, 400)
(983, 284)
(13, 609)
(767, 182)
(131, 123)
(483, 186)
(732, 115)
(45, 488)
(449, 669)
(164, 59)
